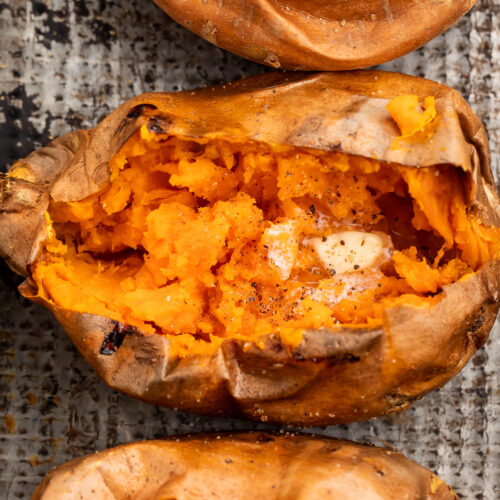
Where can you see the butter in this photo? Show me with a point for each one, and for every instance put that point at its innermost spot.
(282, 243)
(348, 251)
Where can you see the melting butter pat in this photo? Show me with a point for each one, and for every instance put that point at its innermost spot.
(282, 243)
(348, 251)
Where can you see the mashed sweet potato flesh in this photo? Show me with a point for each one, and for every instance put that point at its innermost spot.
(207, 239)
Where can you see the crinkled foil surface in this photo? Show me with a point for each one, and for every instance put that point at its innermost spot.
(65, 64)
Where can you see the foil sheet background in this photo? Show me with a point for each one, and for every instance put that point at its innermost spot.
(65, 64)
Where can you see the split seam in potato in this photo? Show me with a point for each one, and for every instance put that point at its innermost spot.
(306, 249)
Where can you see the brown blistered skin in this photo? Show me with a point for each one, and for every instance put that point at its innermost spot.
(332, 376)
(317, 34)
(252, 466)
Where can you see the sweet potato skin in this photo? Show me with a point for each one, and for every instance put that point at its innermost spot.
(243, 466)
(317, 34)
(332, 376)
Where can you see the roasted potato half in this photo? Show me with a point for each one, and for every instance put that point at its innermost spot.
(299, 249)
(245, 467)
(317, 34)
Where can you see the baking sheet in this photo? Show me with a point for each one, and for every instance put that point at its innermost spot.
(65, 64)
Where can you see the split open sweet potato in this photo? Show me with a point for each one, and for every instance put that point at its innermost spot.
(317, 34)
(306, 249)
(244, 467)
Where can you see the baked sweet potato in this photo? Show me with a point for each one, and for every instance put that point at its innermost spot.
(243, 466)
(317, 34)
(306, 249)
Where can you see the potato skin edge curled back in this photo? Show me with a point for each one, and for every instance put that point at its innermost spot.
(332, 377)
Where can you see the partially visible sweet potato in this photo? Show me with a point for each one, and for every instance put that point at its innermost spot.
(317, 34)
(244, 467)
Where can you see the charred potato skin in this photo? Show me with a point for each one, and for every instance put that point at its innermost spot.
(243, 466)
(332, 377)
(318, 34)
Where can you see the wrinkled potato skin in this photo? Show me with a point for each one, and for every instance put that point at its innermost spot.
(327, 35)
(244, 467)
(332, 377)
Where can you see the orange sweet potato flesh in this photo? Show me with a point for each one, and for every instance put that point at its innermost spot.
(171, 242)
(249, 466)
(206, 238)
